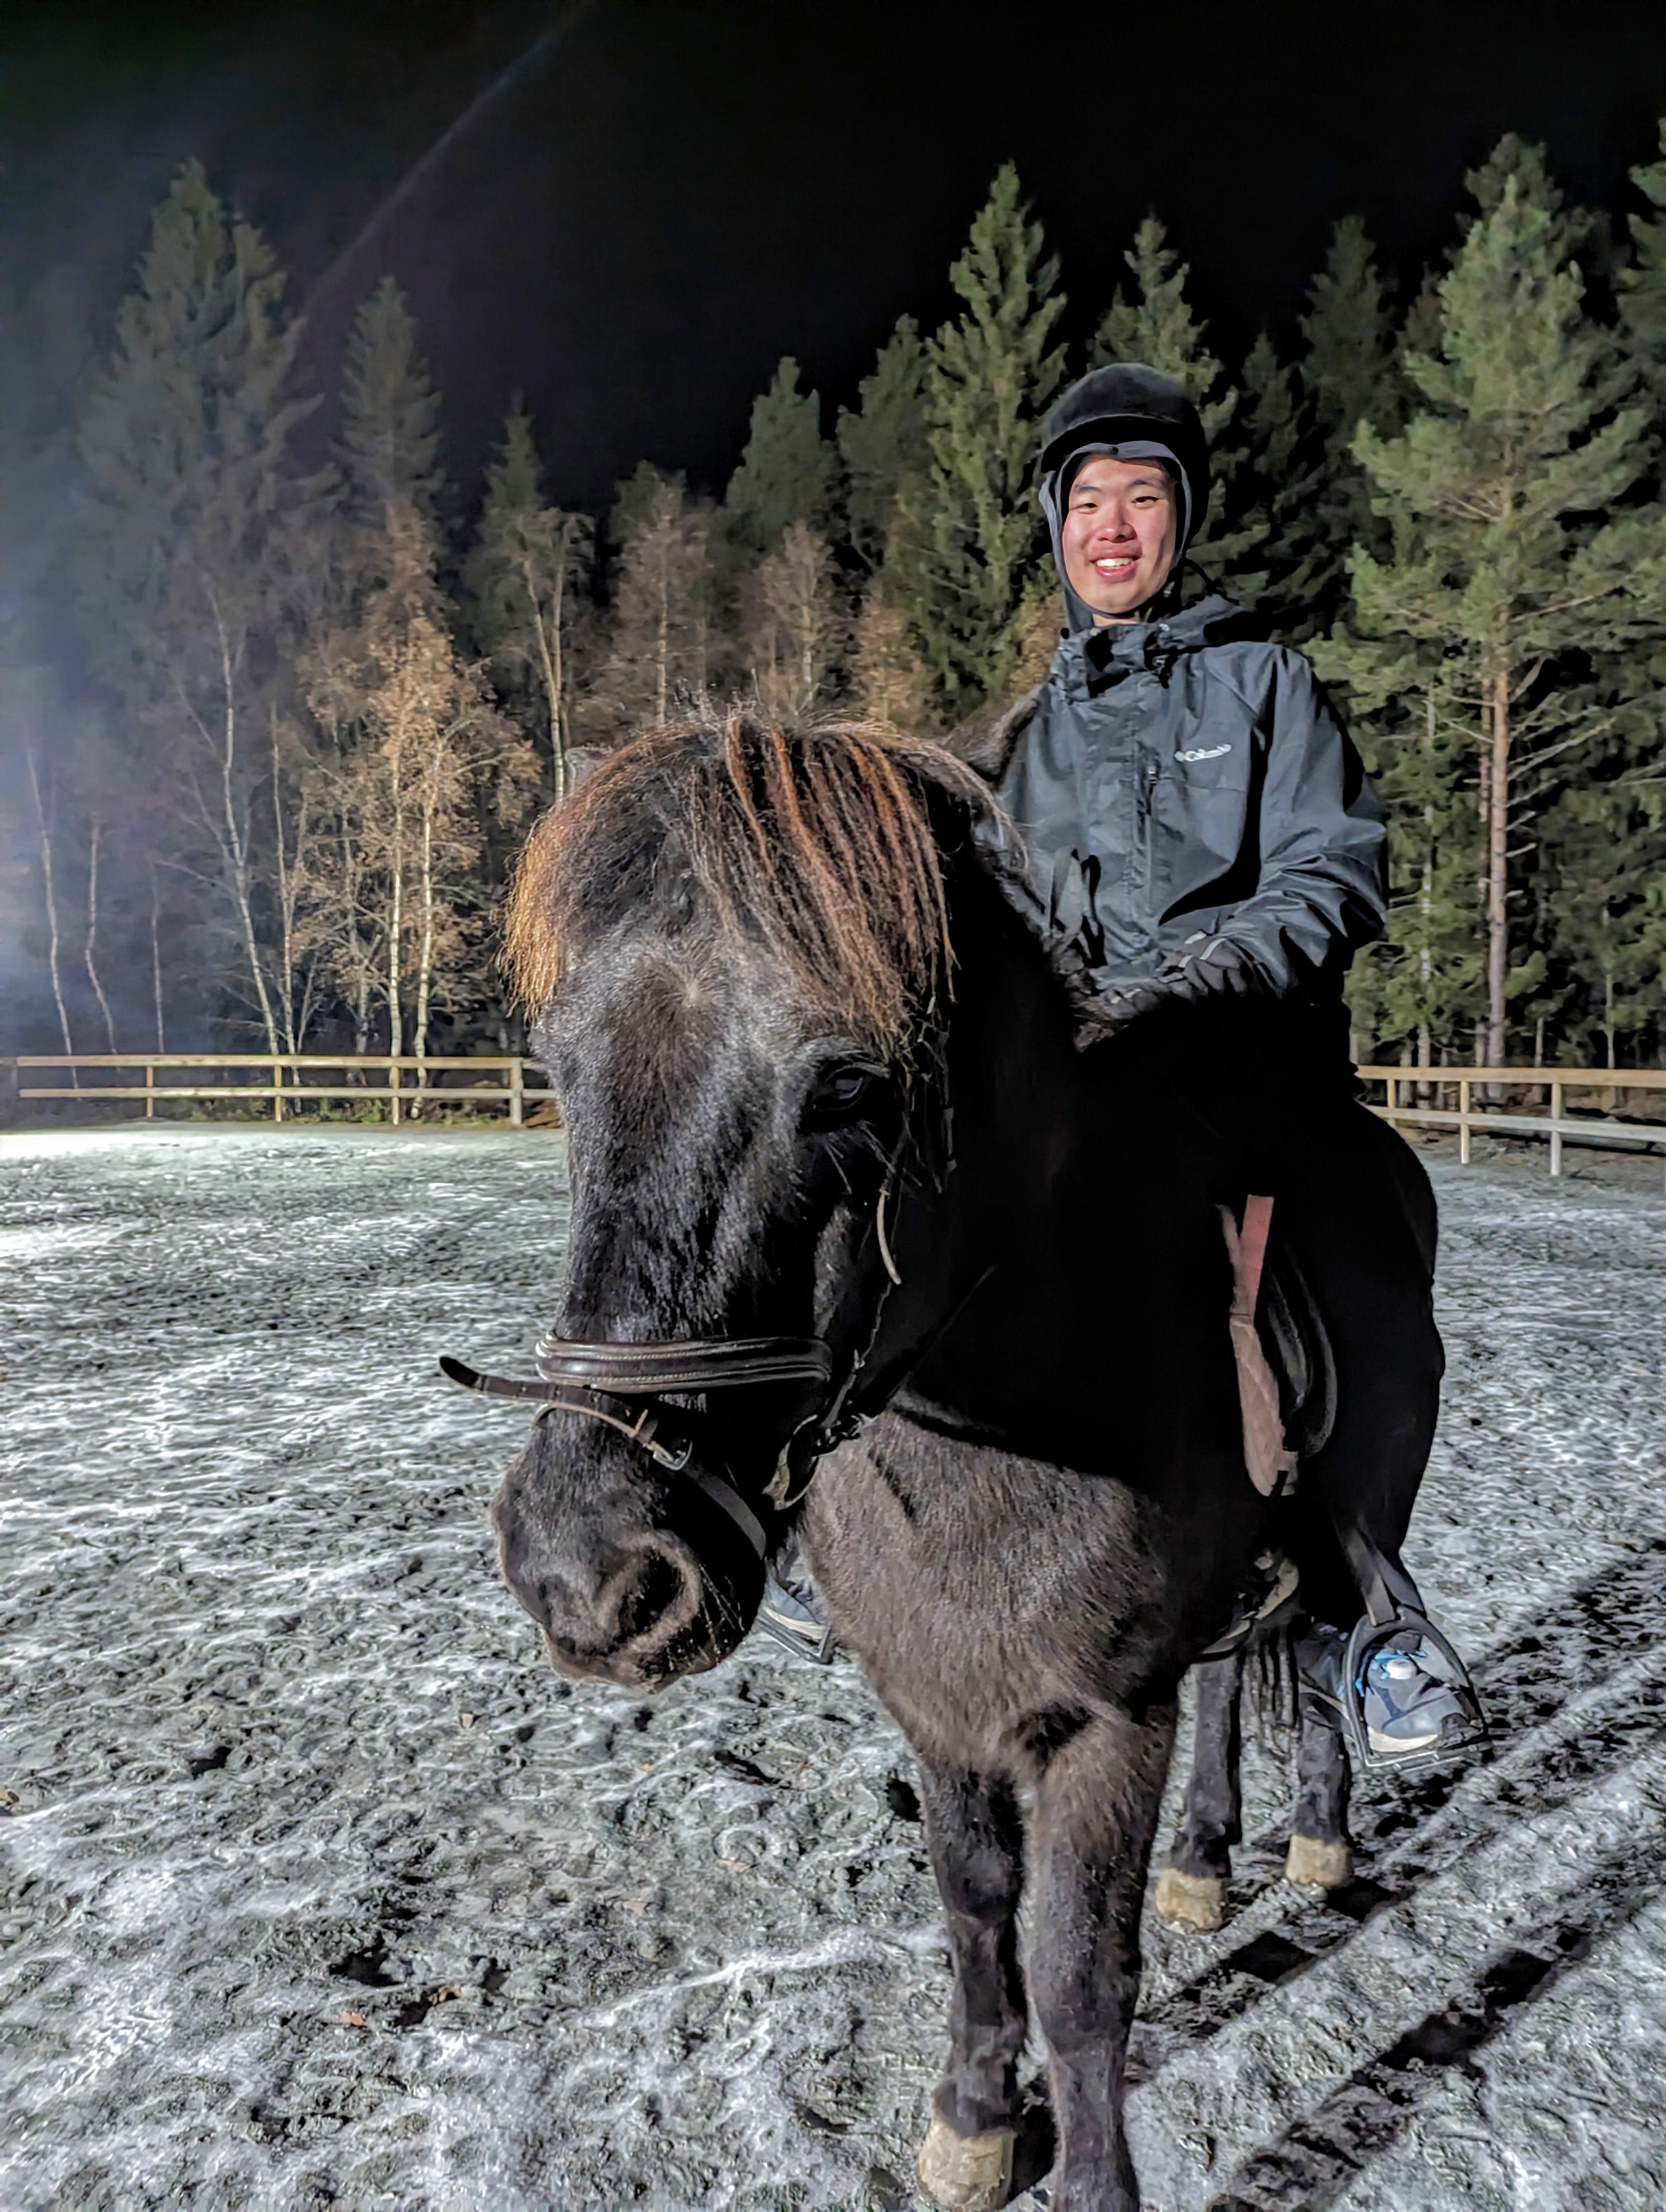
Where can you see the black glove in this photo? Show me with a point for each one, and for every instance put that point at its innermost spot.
(1109, 1012)
(1216, 970)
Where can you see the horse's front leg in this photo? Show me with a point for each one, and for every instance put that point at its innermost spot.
(975, 1834)
(1096, 1813)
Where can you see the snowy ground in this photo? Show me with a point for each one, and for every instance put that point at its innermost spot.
(322, 1890)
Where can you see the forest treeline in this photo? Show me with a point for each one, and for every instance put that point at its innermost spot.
(276, 728)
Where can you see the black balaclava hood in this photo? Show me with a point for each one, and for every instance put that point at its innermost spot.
(1135, 414)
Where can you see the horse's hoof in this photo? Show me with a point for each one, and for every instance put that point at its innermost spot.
(966, 2173)
(1314, 1865)
(1195, 1902)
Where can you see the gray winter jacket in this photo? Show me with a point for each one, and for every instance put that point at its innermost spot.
(1189, 806)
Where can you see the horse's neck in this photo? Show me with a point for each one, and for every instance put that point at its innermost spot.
(1071, 1203)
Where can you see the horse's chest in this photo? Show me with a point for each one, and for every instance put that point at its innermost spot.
(981, 1591)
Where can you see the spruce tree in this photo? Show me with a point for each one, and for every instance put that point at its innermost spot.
(1279, 551)
(1348, 369)
(1643, 286)
(523, 574)
(192, 537)
(882, 442)
(1600, 889)
(390, 437)
(787, 471)
(1152, 321)
(1349, 376)
(969, 540)
(1516, 582)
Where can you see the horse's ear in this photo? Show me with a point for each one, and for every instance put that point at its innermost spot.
(985, 741)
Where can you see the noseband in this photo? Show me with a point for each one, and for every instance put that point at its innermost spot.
(623, 1385)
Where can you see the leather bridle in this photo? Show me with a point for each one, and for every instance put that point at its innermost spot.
(623, 1386)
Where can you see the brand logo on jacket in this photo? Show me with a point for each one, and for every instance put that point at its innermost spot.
(1204, 752)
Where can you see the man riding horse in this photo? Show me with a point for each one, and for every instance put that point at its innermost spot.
(1203, 854)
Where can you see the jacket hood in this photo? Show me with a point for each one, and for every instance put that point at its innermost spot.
(1132, 413)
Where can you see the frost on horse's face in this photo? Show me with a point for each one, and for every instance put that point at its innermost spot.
(726, 1153)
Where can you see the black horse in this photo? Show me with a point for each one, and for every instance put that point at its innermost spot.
(858, 1235)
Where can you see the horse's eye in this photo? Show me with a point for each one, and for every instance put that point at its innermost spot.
(842, 1092)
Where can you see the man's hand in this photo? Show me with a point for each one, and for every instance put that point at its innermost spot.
(1110, 1011)
(1216, 970)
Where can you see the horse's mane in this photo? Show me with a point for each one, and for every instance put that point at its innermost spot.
(815, 840)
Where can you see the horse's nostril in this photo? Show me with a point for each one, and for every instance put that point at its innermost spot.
(652, 1599)
(658, 1584)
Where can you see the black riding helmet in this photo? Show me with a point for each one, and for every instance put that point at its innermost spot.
(1135, 414)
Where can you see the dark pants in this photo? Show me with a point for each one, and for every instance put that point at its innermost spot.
(1272, 1092)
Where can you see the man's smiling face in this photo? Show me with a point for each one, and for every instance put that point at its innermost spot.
(1119, 534)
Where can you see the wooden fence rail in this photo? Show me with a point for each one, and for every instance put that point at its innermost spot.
(1400, 1086)
(1490, 1114)
(286, 1096)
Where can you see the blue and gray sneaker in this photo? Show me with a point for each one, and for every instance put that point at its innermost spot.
(1401, 1693)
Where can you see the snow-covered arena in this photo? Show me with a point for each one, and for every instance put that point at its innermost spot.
(321, 1890)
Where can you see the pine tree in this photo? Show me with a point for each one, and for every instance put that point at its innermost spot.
(528, 559)
(658, 626)
(1501, 597)
(191, 538)
(883, 443)
(968, 539)
(788, 473)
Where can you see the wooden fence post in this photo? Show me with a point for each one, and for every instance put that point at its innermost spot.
(517, 1088)
(1464, 1124)
(1555, 1128)
(393, 1086)
(278, 1091)
(150, 1090)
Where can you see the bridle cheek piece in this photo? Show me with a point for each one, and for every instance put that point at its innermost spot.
(622, 1386)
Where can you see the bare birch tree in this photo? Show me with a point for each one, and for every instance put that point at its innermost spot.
(796, 629)
(659, 635)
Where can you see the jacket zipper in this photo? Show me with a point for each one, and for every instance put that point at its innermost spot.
(1143, 813)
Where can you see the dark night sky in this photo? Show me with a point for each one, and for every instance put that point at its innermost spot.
(662, 197)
